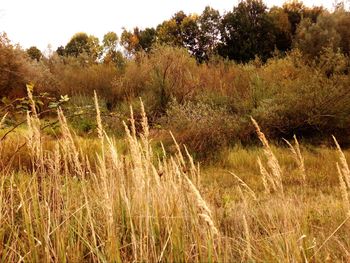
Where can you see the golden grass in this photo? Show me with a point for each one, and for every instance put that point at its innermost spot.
(80, 203)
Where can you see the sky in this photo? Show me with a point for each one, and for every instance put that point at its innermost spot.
(42, 22)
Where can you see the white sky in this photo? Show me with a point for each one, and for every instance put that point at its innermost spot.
(42, 22)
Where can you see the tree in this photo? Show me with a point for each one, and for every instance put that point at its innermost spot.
(247, 32)
(94, 48)
(313, 38)
(296, 11)
(110, 41)
(60, 51)
(190, 36)
(169, 33)
(138, 40)
(147, 38)
(34, 53)
(81, 44)
(78, 44)
(130, 41)
(342, 26)
(110, 44)
(209, 24)
(282, 28)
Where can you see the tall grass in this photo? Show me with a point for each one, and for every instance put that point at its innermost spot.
(69, 205)
(121, 210)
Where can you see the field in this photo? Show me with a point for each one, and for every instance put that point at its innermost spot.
(211, 137)
(73, 199)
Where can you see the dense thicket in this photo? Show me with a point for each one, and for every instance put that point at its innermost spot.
(203, 76)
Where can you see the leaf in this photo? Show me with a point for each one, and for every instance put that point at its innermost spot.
(64, 98)
(53, 105)
(39, 102)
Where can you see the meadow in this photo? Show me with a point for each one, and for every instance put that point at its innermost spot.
(210, 138)
(109, 199)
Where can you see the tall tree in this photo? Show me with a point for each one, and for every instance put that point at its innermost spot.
(147, 38)
(112, 55)
(60, 51)
(209, 24)
(138, 40)
(313, 38)
(247, 32)
(190, 36)
(78, 44)
(282, 28)
(296, 11)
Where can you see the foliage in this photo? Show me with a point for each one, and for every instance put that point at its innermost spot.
(138, 40)
(205, 129)
(312, 38)
(34, 53)
(17, 69)
(82, 44)
(73, 199)
(247, 32)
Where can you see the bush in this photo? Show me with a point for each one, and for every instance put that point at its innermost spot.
(309, 100)
(17, 69)
(204, 129)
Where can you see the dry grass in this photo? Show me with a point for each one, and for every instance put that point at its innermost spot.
(74, 205)
(274, 176)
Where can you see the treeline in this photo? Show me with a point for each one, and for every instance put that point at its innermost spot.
(250, 30)
(204, 76)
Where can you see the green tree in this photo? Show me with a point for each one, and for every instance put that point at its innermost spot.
(112, 55)
(34, 53)
(78, 44)
(209, 24)
(313, 38)
(60, 51)
(147, 38)
(296, 11)
(94, 48)
(190, 35)
(247, 32)
(169, 33)
(110, 41)
(282, 28)
(81, 44)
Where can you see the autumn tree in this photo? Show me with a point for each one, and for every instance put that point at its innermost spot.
(34, 53)
(297, 11)
(169, 32)
(138, 40)
(342, 26)
(282, 28)
(313, 38)
(82, 44)
(111, 54)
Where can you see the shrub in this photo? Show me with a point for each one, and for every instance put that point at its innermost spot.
(203, 128)
(304, 99)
